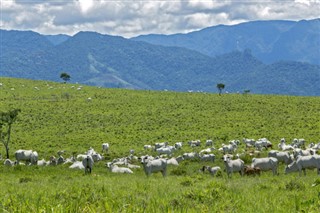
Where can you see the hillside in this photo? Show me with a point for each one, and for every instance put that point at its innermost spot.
(58, 116)
(110, 61)
(269, 41)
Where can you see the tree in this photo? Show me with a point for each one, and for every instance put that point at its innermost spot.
(6, 121)
(65, 76)
(220, 87)
(247, 91)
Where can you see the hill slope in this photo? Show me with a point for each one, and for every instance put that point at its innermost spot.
(57, 116)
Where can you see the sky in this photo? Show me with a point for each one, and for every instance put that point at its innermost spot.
(129, 18)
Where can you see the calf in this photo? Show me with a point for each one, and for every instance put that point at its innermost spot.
(248, 170)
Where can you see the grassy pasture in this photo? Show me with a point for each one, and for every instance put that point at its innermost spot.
(58, 116)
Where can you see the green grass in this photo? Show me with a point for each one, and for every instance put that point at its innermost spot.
(62, 118)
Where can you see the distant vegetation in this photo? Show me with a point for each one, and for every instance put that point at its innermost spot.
(74, 117)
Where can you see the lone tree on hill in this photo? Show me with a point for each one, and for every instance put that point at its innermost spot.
(65, 76)
(220, 87)
(6, 121)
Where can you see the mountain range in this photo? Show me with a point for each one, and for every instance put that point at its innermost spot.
(174, 62)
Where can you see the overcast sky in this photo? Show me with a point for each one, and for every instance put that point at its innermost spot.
(129, 18)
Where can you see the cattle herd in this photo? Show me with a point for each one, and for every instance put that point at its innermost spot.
(297, 156)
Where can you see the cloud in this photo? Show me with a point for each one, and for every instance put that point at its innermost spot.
(131, 18)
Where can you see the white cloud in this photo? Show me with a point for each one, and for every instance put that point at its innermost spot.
(134, 17)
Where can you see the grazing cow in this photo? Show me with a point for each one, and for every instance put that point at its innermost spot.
(194, 143)
(97, 157)
(298, 142)
(8, 162)
(172, 161)
(146, 147)
(303, 163)
(42, 162)
(230, 148)
(212, 170)
(159, 145)
(178, 145)
(27, 155)
(265, 164)
(179, 158)
(283, 146)
(248, 170)
(298, 151)
(209, 143)
(190, 155)
(207, 150)
(152, 166)
(283, 157)
(87, 164)
(262, 143)
(249, 142)
(105, 147)
(208, 157)
(233, 165)
(165, 150)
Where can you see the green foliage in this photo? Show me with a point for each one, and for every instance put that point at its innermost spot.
(65, 76)
(6, 121)
(220, 87)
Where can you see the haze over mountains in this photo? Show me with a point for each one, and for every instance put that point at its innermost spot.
(267, 57)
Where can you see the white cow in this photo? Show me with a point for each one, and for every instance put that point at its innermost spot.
(105, 147)
(194, 143)
(152, 166)
(8, 162)
(178, 145)
(146, 147)
(298, 142)
(265, 164)
(27, 155)
(190, 155)
(115, 169)
(303, 163)
(230, 148)
(77, 165)
(165, 150)
(209, 143)
(159, 145)
(87, 164)
(233, 165)
(207, 150)
(42, 162)
(283, 157)
(249, 142)
(301, 152)
(172, 161)
(212, 170)
(208, 157)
